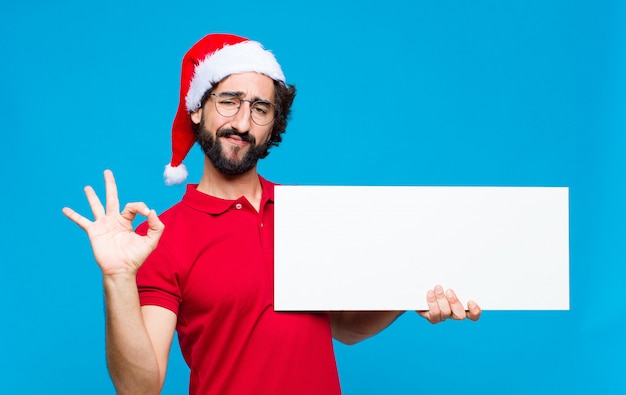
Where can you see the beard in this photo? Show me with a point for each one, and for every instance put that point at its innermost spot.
(213, 149)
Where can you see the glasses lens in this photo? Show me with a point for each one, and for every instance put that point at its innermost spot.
(226, 104)
(262, 112)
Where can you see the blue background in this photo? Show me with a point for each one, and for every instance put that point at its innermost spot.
(529, 93)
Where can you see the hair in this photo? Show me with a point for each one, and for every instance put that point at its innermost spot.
(283, 99)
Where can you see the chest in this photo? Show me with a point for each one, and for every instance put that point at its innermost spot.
(228, 263)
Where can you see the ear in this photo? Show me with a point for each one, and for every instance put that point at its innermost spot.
(196, 116)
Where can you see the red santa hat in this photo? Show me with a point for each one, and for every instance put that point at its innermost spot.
(210, 60)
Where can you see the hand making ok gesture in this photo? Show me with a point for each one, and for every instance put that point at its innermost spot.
(116, 247)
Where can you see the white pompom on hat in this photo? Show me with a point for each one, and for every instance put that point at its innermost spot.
(210, 60)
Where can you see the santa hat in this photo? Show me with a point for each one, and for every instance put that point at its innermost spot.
(210, 60)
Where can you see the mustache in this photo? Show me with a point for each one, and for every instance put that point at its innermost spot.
(231, 132)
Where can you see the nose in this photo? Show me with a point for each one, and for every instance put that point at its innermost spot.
(241, 120)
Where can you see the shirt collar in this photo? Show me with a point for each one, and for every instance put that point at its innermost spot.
(214, 205)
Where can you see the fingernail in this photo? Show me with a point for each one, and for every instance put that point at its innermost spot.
(438, 290)
(471, 304)
(449, 293)
(430, 294)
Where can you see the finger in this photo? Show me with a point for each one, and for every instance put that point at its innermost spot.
(155, 228)
(94, 202)
(433, 315)
(76, 218)
(433, 307)
(458, 311)
(442, 302)
(132, 209)
(474, 311)
(112, 200)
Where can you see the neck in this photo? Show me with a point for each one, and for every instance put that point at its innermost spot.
(217, 184)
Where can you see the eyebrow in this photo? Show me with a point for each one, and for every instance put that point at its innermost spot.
(240, 94)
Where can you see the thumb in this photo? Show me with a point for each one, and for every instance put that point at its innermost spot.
(424, 314)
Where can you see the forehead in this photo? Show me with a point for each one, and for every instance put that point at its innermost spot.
(251, 85)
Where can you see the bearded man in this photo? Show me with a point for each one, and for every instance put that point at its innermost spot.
(204, 268)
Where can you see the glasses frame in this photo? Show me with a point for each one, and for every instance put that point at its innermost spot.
(252, 103)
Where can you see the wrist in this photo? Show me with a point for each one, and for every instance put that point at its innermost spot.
(119, 278)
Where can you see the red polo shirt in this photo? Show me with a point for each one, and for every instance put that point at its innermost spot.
(214, 268)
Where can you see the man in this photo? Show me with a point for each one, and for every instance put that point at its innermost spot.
(211, 276)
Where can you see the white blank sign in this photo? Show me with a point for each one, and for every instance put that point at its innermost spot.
(382, 248)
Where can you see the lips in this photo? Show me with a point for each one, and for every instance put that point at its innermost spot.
(235, 137)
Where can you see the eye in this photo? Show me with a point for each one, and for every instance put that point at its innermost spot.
(261, 108)
(229, 102)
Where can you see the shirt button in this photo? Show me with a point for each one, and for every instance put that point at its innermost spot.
(261, 225)
(238, 206)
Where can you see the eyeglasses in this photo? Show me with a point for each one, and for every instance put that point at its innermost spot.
(228, 104)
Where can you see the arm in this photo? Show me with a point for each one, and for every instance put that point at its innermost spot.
(351, 327)
(137, 339)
